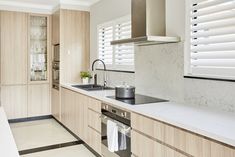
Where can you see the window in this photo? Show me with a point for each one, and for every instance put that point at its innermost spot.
(210, 38)
(117, 57)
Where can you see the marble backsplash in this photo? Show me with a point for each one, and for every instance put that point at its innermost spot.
(159, 73)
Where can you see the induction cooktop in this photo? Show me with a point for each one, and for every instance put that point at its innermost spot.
(139, 99)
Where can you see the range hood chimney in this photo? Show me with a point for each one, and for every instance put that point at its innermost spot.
(148, 20)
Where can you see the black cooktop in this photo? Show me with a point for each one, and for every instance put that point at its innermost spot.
(139, 99)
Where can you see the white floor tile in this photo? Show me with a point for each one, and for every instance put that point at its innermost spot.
(73, 151)
(40, 133)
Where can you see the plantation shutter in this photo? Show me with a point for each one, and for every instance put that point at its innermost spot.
(124, 54)
(105, 35)
(212, 38)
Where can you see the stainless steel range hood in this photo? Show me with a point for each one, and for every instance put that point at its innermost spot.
(148, 19)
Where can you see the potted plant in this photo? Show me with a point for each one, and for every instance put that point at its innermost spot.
(85, 76)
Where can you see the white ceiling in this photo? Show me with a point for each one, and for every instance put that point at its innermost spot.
(45, 6)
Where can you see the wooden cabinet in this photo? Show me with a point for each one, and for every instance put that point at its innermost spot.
(56, 27)
(68, 99)
(14, 48)
(179, 139)
(14, 101)
(74, 44)
(55, 103)
(38, 100)
(143, 146)
(81, 114)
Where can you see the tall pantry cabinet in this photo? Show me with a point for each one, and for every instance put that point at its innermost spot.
(24, 46)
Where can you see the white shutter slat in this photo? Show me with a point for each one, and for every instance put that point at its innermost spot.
(214, 55)
(227, 6)
(207, 3)
(215, 24)
(214, 39)
(214, 32)
(212, 36)
(214, 17)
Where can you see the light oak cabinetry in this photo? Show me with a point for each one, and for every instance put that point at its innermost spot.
(38, 100)
(179, 141)
(55, 104)
(14, 50)
(24, 47)
(56, 27)
(14, 101)
(74, 44)
(81, 114)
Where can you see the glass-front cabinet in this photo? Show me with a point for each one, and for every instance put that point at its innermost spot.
(38, 48)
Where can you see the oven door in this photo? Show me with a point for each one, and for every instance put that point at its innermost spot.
(124, 131)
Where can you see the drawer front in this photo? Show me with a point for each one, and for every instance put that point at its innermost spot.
(191, 144)
(142, 146)
(94, 140)
(94, 105)
(94, 120)
(142, 124)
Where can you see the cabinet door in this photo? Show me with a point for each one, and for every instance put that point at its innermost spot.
(55, 103)
(68, 109)
(14, 48)
(74, 29)
(56, 28)
(14, 101)
(38, 100)
(94, 140)
(79, 108)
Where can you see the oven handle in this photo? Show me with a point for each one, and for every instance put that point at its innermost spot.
(121, 127)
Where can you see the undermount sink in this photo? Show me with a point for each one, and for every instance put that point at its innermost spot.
(92, 87)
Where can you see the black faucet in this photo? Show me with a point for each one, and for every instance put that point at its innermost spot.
(95, 76)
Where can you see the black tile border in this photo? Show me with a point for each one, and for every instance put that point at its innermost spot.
(30, 119)
(56, 146)
(46, 148)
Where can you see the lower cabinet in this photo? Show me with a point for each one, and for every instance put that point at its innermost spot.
(38, 100)
(14, 101)
(81, 114)
(55, 103)
(143, 146)
(147, 131)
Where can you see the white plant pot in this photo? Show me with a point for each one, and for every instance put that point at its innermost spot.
(85, 80)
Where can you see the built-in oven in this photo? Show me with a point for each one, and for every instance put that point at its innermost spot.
(122, 121)
(56, 67)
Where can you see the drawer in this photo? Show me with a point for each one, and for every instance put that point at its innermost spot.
(94, 140)
(143, 146)
(94, 105)
(142, 124)
(94, 120)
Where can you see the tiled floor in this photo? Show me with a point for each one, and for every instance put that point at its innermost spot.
(72, 151)
(35, 134)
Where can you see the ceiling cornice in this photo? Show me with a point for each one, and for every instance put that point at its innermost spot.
(46, 9)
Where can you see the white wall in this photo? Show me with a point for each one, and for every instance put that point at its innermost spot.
(101, 12)
(160, 68)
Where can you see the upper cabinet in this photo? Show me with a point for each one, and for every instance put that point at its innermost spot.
(14, 47)
(56, 28)
(39, 39)
(74, 44)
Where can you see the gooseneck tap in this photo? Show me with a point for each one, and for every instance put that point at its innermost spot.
(95, 75)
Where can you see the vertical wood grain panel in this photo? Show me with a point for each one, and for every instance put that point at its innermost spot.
(75, 44)
(14, 101)
(38, 100)
(55, 103)
(14, 31)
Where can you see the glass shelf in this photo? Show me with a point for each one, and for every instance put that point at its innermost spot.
(38, 48)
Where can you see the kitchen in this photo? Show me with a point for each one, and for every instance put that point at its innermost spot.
(184, 99)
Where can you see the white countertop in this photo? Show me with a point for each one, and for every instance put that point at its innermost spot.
(216, 125)
(7, 144)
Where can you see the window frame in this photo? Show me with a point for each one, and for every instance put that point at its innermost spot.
(113, 66)
(187, 52)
